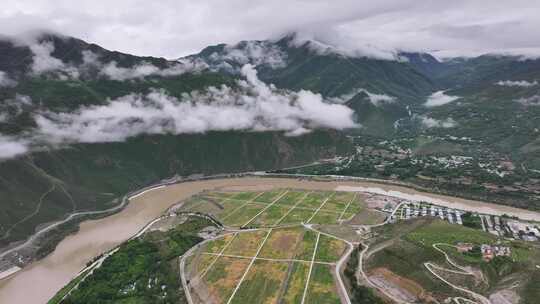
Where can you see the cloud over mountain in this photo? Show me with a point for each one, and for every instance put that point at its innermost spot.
(517, 83)
(175, 28)
(429, 122)
(438, 99)
(252, 105)
(5, 80)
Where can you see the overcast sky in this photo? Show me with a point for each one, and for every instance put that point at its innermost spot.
(173, 28)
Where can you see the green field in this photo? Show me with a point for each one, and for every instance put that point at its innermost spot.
(297, 281)
(279, 207)
(243, 215)
(262, 283)
(322, 288)
(270, 217)
(222, 278)
(281, 243)
(270, 196)
(278, 271)
(245, 244)
(329, 249)
(291, 198)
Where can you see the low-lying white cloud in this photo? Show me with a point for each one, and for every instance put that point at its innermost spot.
(13, 107)
(438, 99)
(114, 72)
(250, 52)
(334, 45)
(429, 122)
(517, 83)
(43, 61)
(11, 147)
(253, 106)
(6, 81)
(530, 101)
(375, 99)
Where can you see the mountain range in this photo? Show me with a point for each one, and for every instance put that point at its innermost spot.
(51, 86)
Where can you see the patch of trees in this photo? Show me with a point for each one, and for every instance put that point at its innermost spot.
(359, 294)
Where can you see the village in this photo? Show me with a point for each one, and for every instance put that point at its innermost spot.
(501, 226)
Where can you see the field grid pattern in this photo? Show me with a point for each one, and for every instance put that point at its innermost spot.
(276, 208)
(270, 265)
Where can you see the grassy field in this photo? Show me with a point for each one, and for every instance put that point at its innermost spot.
(296, 283)
(281, 243)
(329, 249)
(278, 272)
(321, 288)
(246, 243)
(277, 207)
(224, 275)
(262, 283)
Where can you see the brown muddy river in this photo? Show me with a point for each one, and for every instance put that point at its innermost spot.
(38, 282)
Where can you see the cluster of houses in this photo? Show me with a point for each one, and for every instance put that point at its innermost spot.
(488, 252)
(510, 228)
(499, 226)
(413, 210)
(523, 230)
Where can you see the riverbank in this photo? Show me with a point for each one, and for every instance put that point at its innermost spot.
(94, 237)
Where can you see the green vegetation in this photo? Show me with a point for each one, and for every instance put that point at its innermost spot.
(359, 294)
(444, 232)
(246, 243)
(93, 175)
(407, 247)
(296, 284)
(280, 272)
(313, 200)
(238, 209)
(270, 196)
(242, 216)
(262, 284)
(471, 221)
(282, 242)
(245, 196)
(323, 217)
(296, 216)
(329, 249)
(223, 277)
(270, 217)
(291, 198)
(306, 247)
(143, 270)
(322, 288)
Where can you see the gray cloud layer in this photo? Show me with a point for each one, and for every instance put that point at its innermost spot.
(172, 28)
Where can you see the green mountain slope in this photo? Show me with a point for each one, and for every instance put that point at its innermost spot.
(46, 185)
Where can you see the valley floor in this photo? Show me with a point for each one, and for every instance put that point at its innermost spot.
(50, 274)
